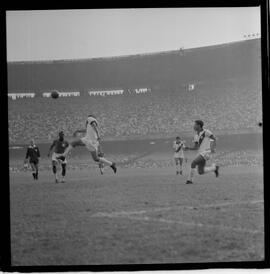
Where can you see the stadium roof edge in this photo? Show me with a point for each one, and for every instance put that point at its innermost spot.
(131, 56)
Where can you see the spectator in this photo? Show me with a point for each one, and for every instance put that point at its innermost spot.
(227, 105)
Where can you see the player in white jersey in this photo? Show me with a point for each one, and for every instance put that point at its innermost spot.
(92, 141)
(179, 146)
(205, 143)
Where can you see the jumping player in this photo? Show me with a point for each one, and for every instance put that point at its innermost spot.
(33, 155)
(205, 143)
(178, 146)
(59, 146)
(92, 141)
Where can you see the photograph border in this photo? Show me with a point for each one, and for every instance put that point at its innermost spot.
(5, 258)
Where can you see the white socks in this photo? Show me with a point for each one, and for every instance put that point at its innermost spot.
(191, 174)
(210, 168)
(105, 161)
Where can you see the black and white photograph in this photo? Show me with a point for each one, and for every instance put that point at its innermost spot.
(135, 136)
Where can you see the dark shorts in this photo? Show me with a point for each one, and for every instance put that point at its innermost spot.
(33, 161)
(200, 162)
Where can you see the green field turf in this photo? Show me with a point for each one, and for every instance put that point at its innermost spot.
(139, 215)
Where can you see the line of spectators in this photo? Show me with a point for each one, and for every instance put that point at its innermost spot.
(229, 105)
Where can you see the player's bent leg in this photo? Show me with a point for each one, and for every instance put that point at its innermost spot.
(33, 170)
(73, 144)
(95, 156)
(76, 143)
(213, 168)
(191, 172)
(176, 165)
(181, 166)
(200, 170)
(217, 171)
(200, 161)
(103, 160)
(36, 170)
(181, 161)
(54, 169)
(101, 167)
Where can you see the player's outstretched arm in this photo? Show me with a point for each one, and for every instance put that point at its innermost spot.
(195, 147)
(79, 131)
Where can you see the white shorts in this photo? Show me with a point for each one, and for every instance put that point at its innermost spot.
(90, 144)
(54, 158)
(178, 155)
(206, 155)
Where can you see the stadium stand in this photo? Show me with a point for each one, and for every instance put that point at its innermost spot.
(224, 96)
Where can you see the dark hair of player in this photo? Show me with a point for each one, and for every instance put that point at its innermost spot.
(177, 137)
(61, 135)
(199, 123)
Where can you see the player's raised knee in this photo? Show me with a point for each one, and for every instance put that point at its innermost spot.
(95, 157)
(200, 171)
(193, 164)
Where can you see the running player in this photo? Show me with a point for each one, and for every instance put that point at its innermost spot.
(205, 143)
(178, 146)
(59, 146)
(32, 156)
(91, 140)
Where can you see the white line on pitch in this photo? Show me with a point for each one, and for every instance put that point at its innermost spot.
(147, 219)
(161, 220)
(130, 215)
(124, 213)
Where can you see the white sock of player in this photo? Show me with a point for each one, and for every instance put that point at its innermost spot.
(105, 161)
(211, 168)
(191, 174)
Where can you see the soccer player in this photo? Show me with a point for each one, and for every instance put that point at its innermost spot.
(178, 146)
(59, 146)
(33, 155)
(205, 143)
(92, 141)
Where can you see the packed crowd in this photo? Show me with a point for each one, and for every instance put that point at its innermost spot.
(229, 105)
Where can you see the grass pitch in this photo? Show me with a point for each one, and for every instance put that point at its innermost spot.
(137, 216)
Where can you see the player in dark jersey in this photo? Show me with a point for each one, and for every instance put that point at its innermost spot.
(32, 156)
(59, 146)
